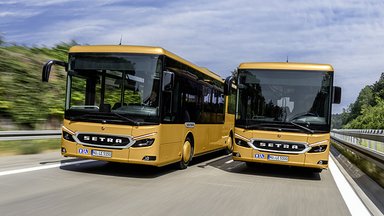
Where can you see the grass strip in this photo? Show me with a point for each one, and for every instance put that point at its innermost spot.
(369, 168)
(15, 147)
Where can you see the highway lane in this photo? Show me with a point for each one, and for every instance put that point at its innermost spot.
(212, 185)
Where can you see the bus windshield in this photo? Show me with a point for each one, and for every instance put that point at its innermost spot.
(113, 87)
(284, 98)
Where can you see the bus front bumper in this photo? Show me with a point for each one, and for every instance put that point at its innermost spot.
(310, 160)
(144, 155)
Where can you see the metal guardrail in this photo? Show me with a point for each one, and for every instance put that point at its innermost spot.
(367, 142)
(29, 135)
(368, 134)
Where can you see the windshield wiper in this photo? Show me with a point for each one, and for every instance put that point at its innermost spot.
(93, 117)
(128, 119)
(138, 123)
(302, 127)
(262, 125)
(252, 126)
(278, 126)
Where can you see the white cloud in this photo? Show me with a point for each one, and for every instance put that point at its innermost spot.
(221, 34)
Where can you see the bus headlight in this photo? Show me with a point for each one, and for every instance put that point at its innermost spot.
(143, 143)
(68, 136)
(317, 149)
(242, 143)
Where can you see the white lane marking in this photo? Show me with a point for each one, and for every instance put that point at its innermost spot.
(354, 204)
(228, 162)
(43, 167)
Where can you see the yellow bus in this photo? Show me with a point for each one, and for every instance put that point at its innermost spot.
(141, 105)
(283, 113)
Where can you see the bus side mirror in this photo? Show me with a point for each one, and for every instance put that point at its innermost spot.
(168, 81)
(336, 98)
(228, 85)
(48, 66)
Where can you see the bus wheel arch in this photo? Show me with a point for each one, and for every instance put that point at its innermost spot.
(187, 151)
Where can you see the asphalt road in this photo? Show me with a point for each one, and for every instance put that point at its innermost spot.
(212, 185)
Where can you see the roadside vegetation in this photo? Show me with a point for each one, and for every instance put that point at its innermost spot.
(26, 102)
(28, 146)
(367, 112)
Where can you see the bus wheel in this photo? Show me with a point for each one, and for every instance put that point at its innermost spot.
(186, 154)
(229, 148)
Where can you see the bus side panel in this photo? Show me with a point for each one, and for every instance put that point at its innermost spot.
(215, 136)
(171, 138)
(201, 137)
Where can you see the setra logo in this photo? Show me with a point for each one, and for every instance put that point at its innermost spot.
(279, 146)
(102, 139)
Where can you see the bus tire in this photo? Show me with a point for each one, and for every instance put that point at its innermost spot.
(186, 154)
(229, 148)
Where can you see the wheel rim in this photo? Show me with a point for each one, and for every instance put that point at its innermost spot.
(187, 151)
(229, 143)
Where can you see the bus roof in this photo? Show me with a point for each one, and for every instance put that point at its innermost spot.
(285, 66)
(140, 50)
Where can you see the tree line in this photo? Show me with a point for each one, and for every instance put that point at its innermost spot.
(26, 102)
(367, 112)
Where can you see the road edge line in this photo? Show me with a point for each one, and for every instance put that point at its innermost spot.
(43, 167)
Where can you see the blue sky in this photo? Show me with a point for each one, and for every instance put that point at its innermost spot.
(349, 34)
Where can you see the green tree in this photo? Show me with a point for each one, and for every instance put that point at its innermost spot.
(23, 98)
(371, 117)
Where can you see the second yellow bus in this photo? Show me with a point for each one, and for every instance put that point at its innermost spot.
(283, 113)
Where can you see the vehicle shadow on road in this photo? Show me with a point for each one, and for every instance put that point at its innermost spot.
(118, 169)
(128, 170)
(270, 170)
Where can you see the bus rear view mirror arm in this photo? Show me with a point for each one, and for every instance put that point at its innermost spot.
(48, 66)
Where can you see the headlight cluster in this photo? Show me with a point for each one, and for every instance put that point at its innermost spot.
(317, 149)
(68, 136)
(242, 143)
(143, 143)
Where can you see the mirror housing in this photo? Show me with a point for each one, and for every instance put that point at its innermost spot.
(48, 66)
(168, 81)
(228, 85)
(336, 97)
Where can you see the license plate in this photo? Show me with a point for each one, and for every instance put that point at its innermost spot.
(278, 158)
(98, 153)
